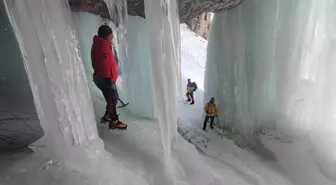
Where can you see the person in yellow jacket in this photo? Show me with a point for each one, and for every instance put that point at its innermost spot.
(211, 110)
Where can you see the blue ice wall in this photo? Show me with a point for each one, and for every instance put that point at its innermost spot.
(86, 26)
(137, 72)
(135, 83)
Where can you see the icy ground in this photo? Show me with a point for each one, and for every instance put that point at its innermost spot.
(139, 151)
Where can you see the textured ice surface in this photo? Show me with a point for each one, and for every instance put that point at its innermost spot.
(273, 66)
(137, 75)
(278, 69)
(55, 71)
(61, 94)
(165, 64)
(86, 26)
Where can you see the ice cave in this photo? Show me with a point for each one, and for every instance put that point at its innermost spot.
(266, 63)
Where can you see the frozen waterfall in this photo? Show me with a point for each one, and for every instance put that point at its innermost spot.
(44, 31)
(162, 18)
(60, 80)
(272, 64)
(55, 72)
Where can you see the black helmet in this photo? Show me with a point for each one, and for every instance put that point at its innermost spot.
(104, 31)
(212, 100)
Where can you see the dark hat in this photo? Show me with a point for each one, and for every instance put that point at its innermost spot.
(212, 100)
(104, 31)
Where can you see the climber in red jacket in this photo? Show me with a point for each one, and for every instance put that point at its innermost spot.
(106, 74)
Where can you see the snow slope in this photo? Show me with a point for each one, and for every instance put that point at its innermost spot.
(193, 56)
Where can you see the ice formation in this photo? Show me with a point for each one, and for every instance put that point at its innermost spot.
(271, 64)
(137, 76)
(59, 81)
(162, 19)
(55, 71)
(157, 71)
(60, 90)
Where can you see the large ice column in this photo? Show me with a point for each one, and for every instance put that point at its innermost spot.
(226, 75)
(165, 64)
(57, 79)
(283, 75)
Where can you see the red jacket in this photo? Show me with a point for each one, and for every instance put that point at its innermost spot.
(102, 58)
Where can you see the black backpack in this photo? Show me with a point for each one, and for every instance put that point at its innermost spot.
(195, 86)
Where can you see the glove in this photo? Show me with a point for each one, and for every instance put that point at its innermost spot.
(113, 85)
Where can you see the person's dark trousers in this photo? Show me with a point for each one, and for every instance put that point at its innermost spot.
(190, 96)
(110, 94)
(212, 119)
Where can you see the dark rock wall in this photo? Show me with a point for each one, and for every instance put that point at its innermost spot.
(201, 24)
(188, 9)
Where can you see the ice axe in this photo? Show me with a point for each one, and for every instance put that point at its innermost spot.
(123, 104)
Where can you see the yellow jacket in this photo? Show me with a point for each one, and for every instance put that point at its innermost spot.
(210, 109)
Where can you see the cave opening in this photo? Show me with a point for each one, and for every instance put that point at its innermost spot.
(19, 124)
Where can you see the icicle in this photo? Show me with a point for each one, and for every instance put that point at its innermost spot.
(118, 13)
(164, 64)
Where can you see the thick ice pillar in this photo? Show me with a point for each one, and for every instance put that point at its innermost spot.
(57, 79)
(272, 63)
(264, 58)
(164, 61)
(225, 75)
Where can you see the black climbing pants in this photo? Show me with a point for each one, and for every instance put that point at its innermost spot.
(212, 119)
(190, 95)
(110, 93)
